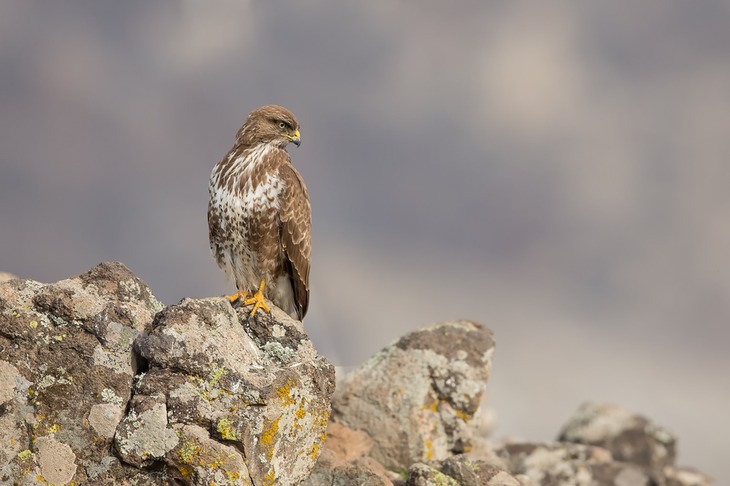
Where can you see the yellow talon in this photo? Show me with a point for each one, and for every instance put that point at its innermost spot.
(237, 296)
(257, 300)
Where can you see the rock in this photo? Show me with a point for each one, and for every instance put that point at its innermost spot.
(459, 471)
(345, 460)
(677, 476)
(67, 348)
(100, 384)
(254, 384)
(416, 398)
(568, 464)
(629, 437)
(5, 276)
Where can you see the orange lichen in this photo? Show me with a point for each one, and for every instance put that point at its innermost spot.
(429, 449)
(268, 437)
(285, 393)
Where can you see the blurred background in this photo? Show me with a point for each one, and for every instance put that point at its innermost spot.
(558, 172)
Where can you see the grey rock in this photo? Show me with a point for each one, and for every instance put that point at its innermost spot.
(566, 464)
(628, 436)
(417, 398)
(66, 351)
(459, 470)
(101, 384)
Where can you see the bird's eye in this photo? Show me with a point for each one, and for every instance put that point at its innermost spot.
(282, 125)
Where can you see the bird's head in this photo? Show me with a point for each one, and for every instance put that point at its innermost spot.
(270, 124)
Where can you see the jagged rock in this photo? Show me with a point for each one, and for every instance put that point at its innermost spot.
(101, 385)
(566, 464)
(255, 384)
(629, 437)
(67, 352)
(459, 471)
(417, 397)
(5, 276)
(344, 460)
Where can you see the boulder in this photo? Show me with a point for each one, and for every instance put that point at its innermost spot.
(66, 368)
(228, 394)
(417, 398)
(102, 384)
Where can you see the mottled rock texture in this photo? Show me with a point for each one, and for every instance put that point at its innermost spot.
(629, 437)
(420, 403)
(101, 384)
(417, 398)
(345, 460)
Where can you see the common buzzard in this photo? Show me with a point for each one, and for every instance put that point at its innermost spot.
(259, 216)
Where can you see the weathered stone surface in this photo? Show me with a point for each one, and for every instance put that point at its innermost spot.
(566, 464)
(255, 384)
(417, 397)
(202, 460)
(143, 436)
(66, 348)
(460, 471)
(5, 276)
(684, 476)
(629, 437)
(101, 385)
(344, 460)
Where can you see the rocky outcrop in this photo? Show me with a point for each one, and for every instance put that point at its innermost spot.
(101, 384)
(420, 402)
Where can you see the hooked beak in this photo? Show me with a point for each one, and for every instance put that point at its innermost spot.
(296, 138)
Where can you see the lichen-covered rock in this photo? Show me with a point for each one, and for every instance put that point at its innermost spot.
(629, 437)
(100, 384)
(566, 464)
(417, 397)
(66, 372)
(250, 387)
(459, 471)
(345, 460)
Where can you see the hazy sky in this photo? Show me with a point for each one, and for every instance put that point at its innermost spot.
(558, 172)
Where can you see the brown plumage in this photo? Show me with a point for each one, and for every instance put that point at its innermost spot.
(259, 217)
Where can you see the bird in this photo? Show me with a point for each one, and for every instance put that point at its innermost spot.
(260, 217)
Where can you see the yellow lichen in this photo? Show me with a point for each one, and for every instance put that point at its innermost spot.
(269, 436)
(53, 429)
(285, 393)
(188, 451)
(463, 415)
(429, 448)
(33, 324)
(216, 373)
(315, 452)
(227, 430)
(269, 478)
(23, 455)
(301, 413)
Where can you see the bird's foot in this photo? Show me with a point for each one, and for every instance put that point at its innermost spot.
(238, 296)
(257, 300)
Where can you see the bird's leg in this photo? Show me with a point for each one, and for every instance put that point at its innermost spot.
(237, 296)
(257, 300)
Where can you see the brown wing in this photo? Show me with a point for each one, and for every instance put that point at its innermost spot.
(296, 222)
